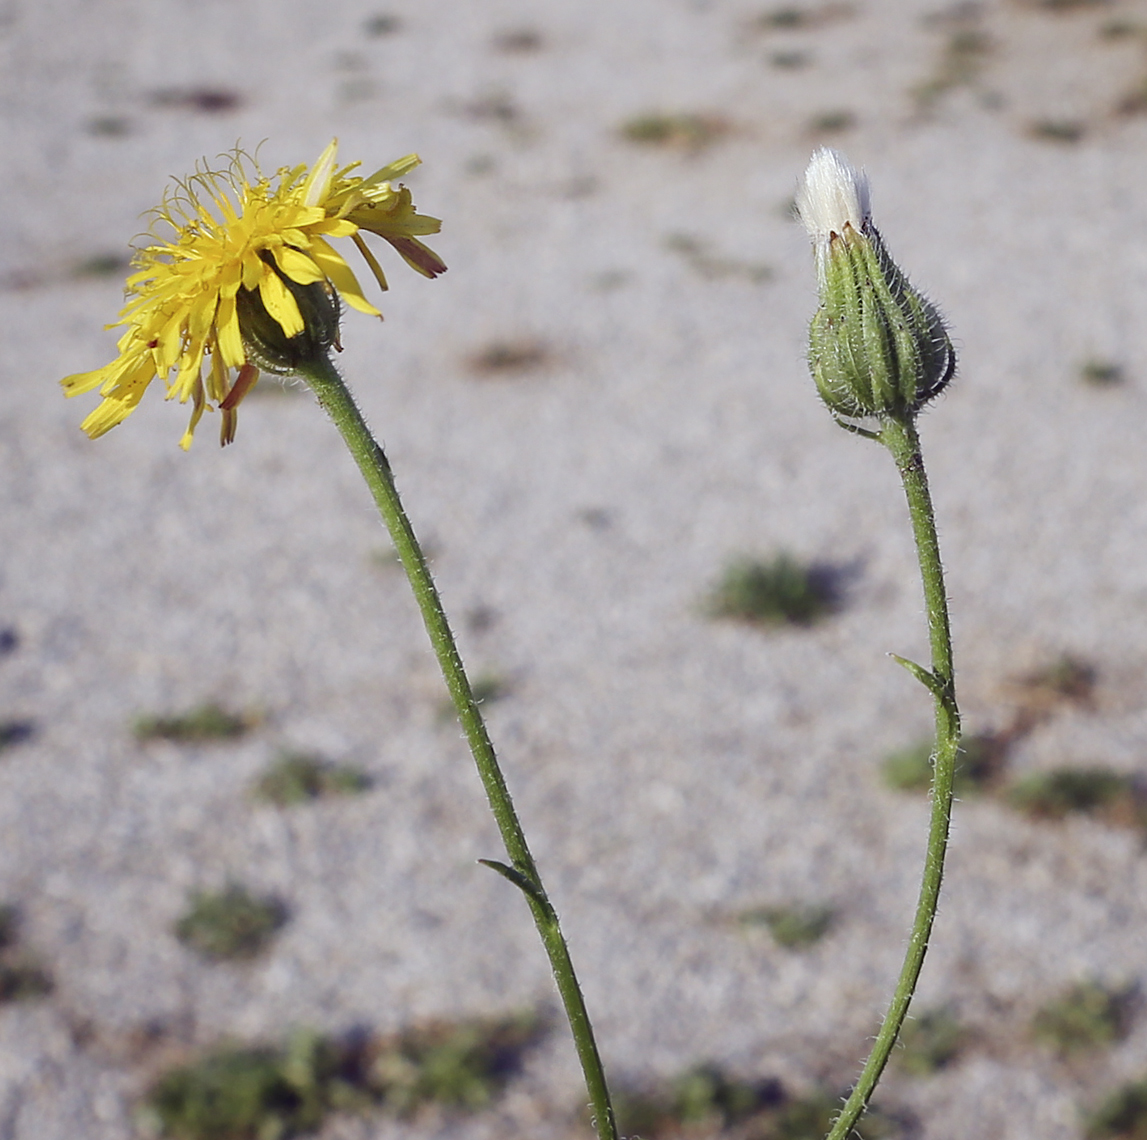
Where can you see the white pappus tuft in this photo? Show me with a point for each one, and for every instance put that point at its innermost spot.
(832, 193)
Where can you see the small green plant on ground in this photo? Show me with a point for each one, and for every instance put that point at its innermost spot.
(204, 723)
(781, 591)
(454, 1064)
(1057, 130)
(1112, 796)
(1123, 1116)
(1087, 1016)
(506, 356)
(793, 926)
(930, 1042)
(675, 131)
(251, 1093)
(1102, 373)
(706, 1101)
(232, 923)
(297, 777)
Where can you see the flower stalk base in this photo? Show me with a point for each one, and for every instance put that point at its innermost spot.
(334, 397)
(900, 437)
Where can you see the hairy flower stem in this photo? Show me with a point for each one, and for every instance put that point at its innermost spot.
(899, 436)
(333, 395)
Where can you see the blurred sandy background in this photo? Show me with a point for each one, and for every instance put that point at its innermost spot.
(602, 403)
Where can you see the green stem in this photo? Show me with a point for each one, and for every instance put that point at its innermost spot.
(899, 436)
(372, 462)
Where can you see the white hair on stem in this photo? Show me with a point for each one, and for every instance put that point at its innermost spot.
(832, 193)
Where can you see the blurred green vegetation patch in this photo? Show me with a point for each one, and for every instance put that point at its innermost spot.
(980, 762)
(507, 356)
(230, 924)
(679, 131)
(101, 265)
(1113, 797)
(1086, 1016)
(381, 24)
(794, 925)
(256, 1093)
(206, 722)
(706, 1100)
(963, 55)
(832, 122)
(1098, 373)
(299, 777)
(22, 975)
(930, 1042)
(779, 591)
(518, 41)
(707, 263)
(802, 17)
(1123, 1116)
(1057, 130)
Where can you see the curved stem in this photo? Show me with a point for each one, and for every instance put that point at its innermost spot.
(900, 437)
(372, 462)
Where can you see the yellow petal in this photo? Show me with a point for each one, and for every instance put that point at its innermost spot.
(318, 183)
(277, 300)
(297, 266)
(342, 278)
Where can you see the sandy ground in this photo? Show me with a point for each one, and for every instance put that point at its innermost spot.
(672, 771)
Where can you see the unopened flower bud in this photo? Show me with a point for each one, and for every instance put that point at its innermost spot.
(264, 338)
(877, 347)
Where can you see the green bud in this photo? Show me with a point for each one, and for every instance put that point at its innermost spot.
(877, 347)
(268, 346)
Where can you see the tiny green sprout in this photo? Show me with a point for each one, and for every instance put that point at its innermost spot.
(1091, 791)
(682, 131)
(930, 1042)
(1123, 1116)
(1102, 373)
(22, 978)
(781, 591)
(230, 924)
(981, 759)
(205, 723)
(786, 17)
(235, 1093)
(101, 265)
(297, 777)
(793, 926)
(832, 122)
(962, 58)
(459, 1065)
(1069, 5)
(790, 60)
(1086, 1016)
(507, 356)
(382, 24)
(1119, 30)
(1057, 130)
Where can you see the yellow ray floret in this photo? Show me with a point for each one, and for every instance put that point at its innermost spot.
(237, 229)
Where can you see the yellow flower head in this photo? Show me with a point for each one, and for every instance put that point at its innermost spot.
(242, 243)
